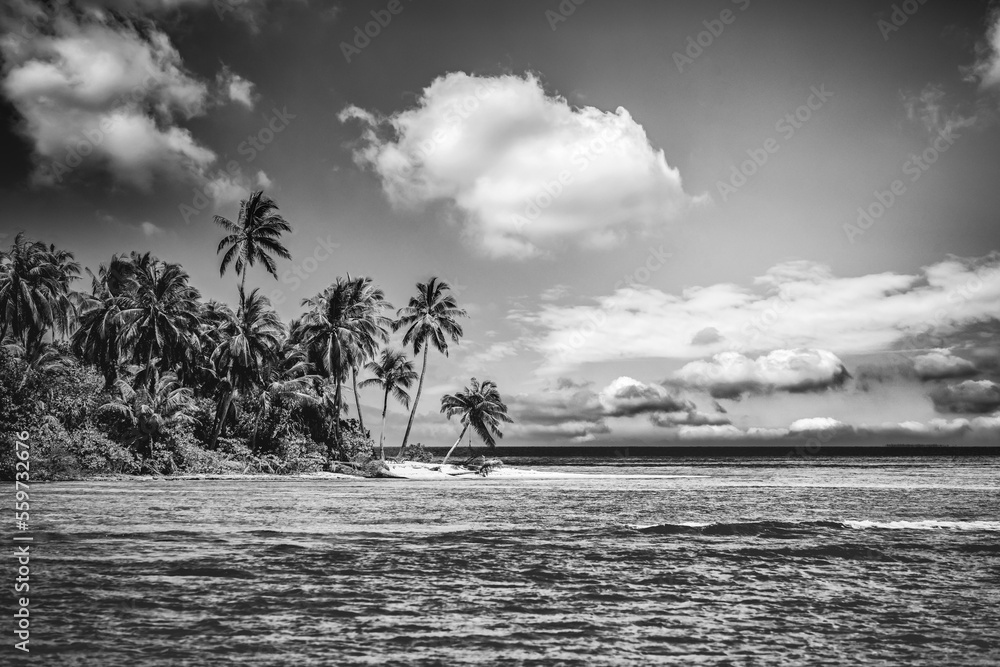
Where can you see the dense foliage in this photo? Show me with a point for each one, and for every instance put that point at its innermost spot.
(139, 374)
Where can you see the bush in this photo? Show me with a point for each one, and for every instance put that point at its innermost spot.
(97, 453)
(354, 442)
(184, 454)
(418, 453)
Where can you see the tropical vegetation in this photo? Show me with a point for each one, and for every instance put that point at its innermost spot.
(132, 371)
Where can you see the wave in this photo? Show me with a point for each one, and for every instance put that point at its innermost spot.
(927, 524)
(790, 528)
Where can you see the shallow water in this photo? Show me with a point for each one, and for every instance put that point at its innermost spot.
(724, 562)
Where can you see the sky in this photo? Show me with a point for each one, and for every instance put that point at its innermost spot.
(730, 222)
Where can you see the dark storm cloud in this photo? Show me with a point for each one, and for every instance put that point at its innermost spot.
(969, 397)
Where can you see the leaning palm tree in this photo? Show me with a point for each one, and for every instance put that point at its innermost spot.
(480, 407)
(429, 319)
(250, 340)
(394, 374)
(254, 237)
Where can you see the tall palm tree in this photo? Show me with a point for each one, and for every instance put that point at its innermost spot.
(254, 237)
(250, 339)
(67, 302)
(429, 319)
(369, 303)
(98, 338)
(394, 374)
(337, 331)
(34, 289)
(480, 407)
(160, 316)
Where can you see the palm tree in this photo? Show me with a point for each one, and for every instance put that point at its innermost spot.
(66, 303)
(337, 331)
(254, 237)
(250, 339)
(480, 407)
(429, 318)
(150, 412)
(98, 339)
(369, 303)
(285, 380)
(394, 373)
(160, 315)
(34, 289)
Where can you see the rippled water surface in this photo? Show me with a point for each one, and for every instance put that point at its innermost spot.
(690, 562)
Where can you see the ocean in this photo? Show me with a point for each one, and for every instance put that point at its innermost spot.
(813, 561)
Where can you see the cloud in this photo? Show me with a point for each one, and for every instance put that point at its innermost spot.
(149, 229)
(554, 293)
(794, 305)
(96, 90)
(731, 374)
(626, 397)
(523, 171)
(706, 336)
(970, 396)
(942, 364)
(987, 68)
(490, 355)
(573, 410)
(235, 88)
(812, 424)
(931, 109)
(689, 418)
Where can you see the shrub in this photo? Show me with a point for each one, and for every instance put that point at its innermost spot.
(97, 453)
(354, 442)
(416, 452)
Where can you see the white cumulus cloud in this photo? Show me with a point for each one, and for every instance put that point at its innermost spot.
(524, 170)
(794, 305)
(730, 374)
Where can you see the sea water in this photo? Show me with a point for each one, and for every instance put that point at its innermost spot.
(839, 561)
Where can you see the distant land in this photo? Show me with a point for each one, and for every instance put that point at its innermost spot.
(652, 451)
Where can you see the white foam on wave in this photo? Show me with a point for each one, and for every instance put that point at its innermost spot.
(926, 524)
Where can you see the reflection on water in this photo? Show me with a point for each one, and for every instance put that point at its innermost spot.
(832, 562)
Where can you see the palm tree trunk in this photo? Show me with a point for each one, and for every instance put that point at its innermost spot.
(416, 400)
(336, 416)
(460, 435)
(221, 418)
(357, 400)
(381, 436)
(149, 363)
(243, 285)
